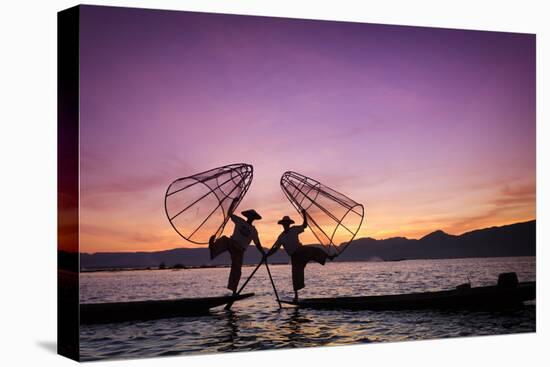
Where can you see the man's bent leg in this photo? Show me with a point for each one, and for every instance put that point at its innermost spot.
(312, 253)
(218, 246)
(299, 260)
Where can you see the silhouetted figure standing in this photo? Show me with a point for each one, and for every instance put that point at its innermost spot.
(243, 233)
(299, 254)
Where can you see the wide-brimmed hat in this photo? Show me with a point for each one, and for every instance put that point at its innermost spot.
(251, 214)
(286, 219)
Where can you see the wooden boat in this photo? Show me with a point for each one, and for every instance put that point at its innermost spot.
(97, 313)
(490, 297)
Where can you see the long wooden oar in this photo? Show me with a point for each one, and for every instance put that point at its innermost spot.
(229, 304)
(264, 259)
(273, 283)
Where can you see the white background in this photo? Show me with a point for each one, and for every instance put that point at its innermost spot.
(28, 182)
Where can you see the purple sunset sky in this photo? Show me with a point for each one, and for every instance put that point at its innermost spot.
(428, 128)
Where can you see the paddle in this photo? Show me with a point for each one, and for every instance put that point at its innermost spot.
(230, 303)
(273, 283)
(264, 259)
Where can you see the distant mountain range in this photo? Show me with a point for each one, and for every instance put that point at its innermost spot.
(510, 240)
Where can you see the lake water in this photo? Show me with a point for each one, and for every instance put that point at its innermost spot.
(257, 323)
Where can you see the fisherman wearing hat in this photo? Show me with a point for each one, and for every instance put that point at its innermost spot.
(243, 233)
(299, 254)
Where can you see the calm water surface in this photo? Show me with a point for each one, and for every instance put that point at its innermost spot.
(257, 323)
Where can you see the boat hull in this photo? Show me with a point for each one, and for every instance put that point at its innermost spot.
(98, 313)
(491, 297)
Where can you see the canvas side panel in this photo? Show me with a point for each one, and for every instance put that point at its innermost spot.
(67, 184)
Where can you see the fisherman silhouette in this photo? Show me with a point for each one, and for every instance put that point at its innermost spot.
(243, 233)
(299, 254)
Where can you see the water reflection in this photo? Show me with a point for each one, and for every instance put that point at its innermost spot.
(229, 334)
(258, 323)
(294, 329)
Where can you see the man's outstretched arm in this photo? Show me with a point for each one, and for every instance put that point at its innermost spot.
(274, 249)
(256, 240)
(232, 208)
(304, 215)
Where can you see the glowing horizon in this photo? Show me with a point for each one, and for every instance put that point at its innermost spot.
(274, 234)
(430, 129)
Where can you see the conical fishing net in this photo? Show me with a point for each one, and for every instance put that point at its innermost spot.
(333, 217)
(198, 206)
